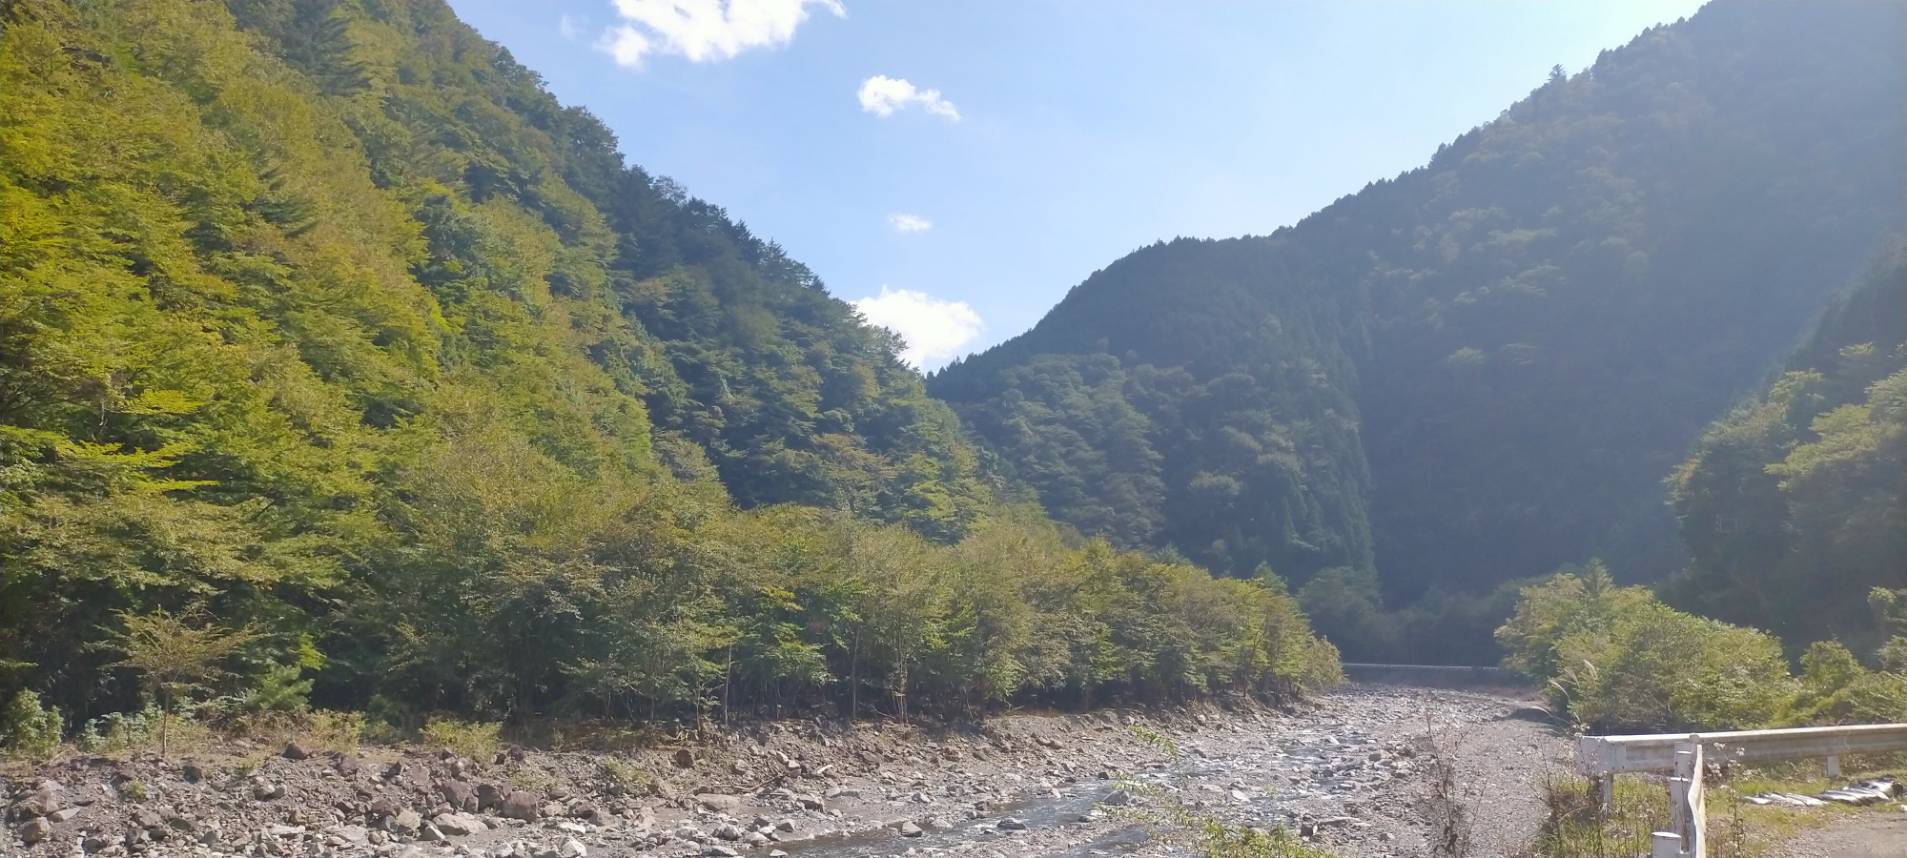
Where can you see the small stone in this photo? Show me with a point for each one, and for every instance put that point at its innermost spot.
(407, 820)
(684, 758)
(1118, 798)
(264, 790)
(909, 829)
(719, 802)
(1011, 824)
(572, 848)
(295, 750)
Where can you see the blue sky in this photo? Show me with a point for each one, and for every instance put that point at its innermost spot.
(955, 167)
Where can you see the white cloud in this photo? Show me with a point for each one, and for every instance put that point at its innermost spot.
(882, 95)
(909, 223)
(933, 329)
(703, 30)
(569, 27)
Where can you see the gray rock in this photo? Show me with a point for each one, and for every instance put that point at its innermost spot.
(295, 750)
(717, 850)
(407, 821)
(1011, 824)
(34, 830)
(522, 805)
(45, 799)
(1118, 798)
(719, 802)
(909, 829)
(727, 831)
(265, 790)
(572, 848)
(460, 795)
(459, 824)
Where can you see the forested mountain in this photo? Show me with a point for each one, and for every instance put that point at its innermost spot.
(1794, 506)
(324, 329)
(1484, 368)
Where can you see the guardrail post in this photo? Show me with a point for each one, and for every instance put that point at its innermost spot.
(1688, 803)
(1834, 766)
(1665, 845)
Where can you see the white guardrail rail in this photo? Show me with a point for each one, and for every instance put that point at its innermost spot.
(1682, 757)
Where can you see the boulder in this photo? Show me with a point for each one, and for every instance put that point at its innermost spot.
(909, 829)
(44, 800)
(459, 824)
(296, 750)
(719, 802)
(521, 804)
(34, 830)
(407, 821)
(460, 795)
(684, 758)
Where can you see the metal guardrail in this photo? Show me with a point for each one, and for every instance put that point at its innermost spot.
(1607, 755)
(1683, 757)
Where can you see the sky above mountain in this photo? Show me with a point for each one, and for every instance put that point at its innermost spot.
(953, 168)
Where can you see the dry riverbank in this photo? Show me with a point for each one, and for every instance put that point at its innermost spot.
(1351, 770)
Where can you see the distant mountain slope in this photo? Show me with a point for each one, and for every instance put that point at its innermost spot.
(1485, 367)
(1794, 506)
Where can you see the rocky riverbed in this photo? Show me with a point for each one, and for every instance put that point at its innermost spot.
(1350, 770)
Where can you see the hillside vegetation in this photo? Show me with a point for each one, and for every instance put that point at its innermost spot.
(338, 361)
(1484, 368)
(1794, 505)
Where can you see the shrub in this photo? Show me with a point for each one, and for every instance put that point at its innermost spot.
(473, 739)
(138, 731)
(279, 688)
(1662, 669)
(1836, 689)
(335, 731)
(28, 729)
(1615, 658)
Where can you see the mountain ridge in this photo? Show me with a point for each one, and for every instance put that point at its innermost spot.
(1710, 181)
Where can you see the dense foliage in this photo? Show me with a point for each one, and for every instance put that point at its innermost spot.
(1486, 366)
(1794, 506)
(1618, 660)
(324, 328)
